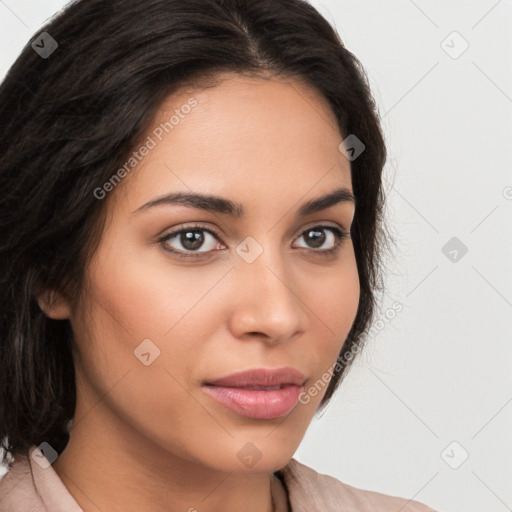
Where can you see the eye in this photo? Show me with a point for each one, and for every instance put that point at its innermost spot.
(189, 240)
(197, 241)
(323, 239)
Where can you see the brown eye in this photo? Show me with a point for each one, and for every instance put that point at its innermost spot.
(315, 237)
(322, 238)
(190, 240)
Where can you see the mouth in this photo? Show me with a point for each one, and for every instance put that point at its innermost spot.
(264, 388)
(258, 393)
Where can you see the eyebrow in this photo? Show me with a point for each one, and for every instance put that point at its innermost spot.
(226, 206)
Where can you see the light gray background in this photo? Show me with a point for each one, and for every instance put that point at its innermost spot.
(440, 371)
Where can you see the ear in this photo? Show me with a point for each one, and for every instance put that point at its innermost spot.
(54, 305)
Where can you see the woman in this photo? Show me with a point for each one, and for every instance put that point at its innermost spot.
(191, 240)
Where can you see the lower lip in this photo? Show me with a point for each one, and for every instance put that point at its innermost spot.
(258, 404)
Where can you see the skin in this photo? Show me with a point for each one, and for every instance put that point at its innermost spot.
(149, 437)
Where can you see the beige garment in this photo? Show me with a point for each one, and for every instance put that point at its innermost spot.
(28, 487)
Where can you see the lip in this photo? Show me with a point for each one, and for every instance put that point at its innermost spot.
(261, 377)
(276, 392)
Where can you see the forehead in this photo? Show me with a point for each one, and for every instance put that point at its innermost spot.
(244, 134)
(254, 109)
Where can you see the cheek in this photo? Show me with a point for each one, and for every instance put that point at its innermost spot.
(130, 304)
(338, 298)
(333, 300)
(148, 294)
(147, 310)
(333, 296)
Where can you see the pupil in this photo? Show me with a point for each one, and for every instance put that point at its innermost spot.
(192, 239)
(316, 237)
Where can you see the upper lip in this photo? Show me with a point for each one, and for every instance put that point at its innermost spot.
(261, 377)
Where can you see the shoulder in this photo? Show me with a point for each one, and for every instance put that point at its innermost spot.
(34, 486)
(17, 490)
(309, 490)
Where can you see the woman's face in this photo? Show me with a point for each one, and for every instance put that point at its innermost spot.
(163, 314)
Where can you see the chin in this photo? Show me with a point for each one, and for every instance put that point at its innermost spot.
(262, 453)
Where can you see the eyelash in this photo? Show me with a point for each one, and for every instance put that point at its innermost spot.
(339, 234)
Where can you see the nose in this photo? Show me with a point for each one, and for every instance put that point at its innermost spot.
(266, 301)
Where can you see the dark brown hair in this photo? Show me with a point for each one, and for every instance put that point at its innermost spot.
(67, 122)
